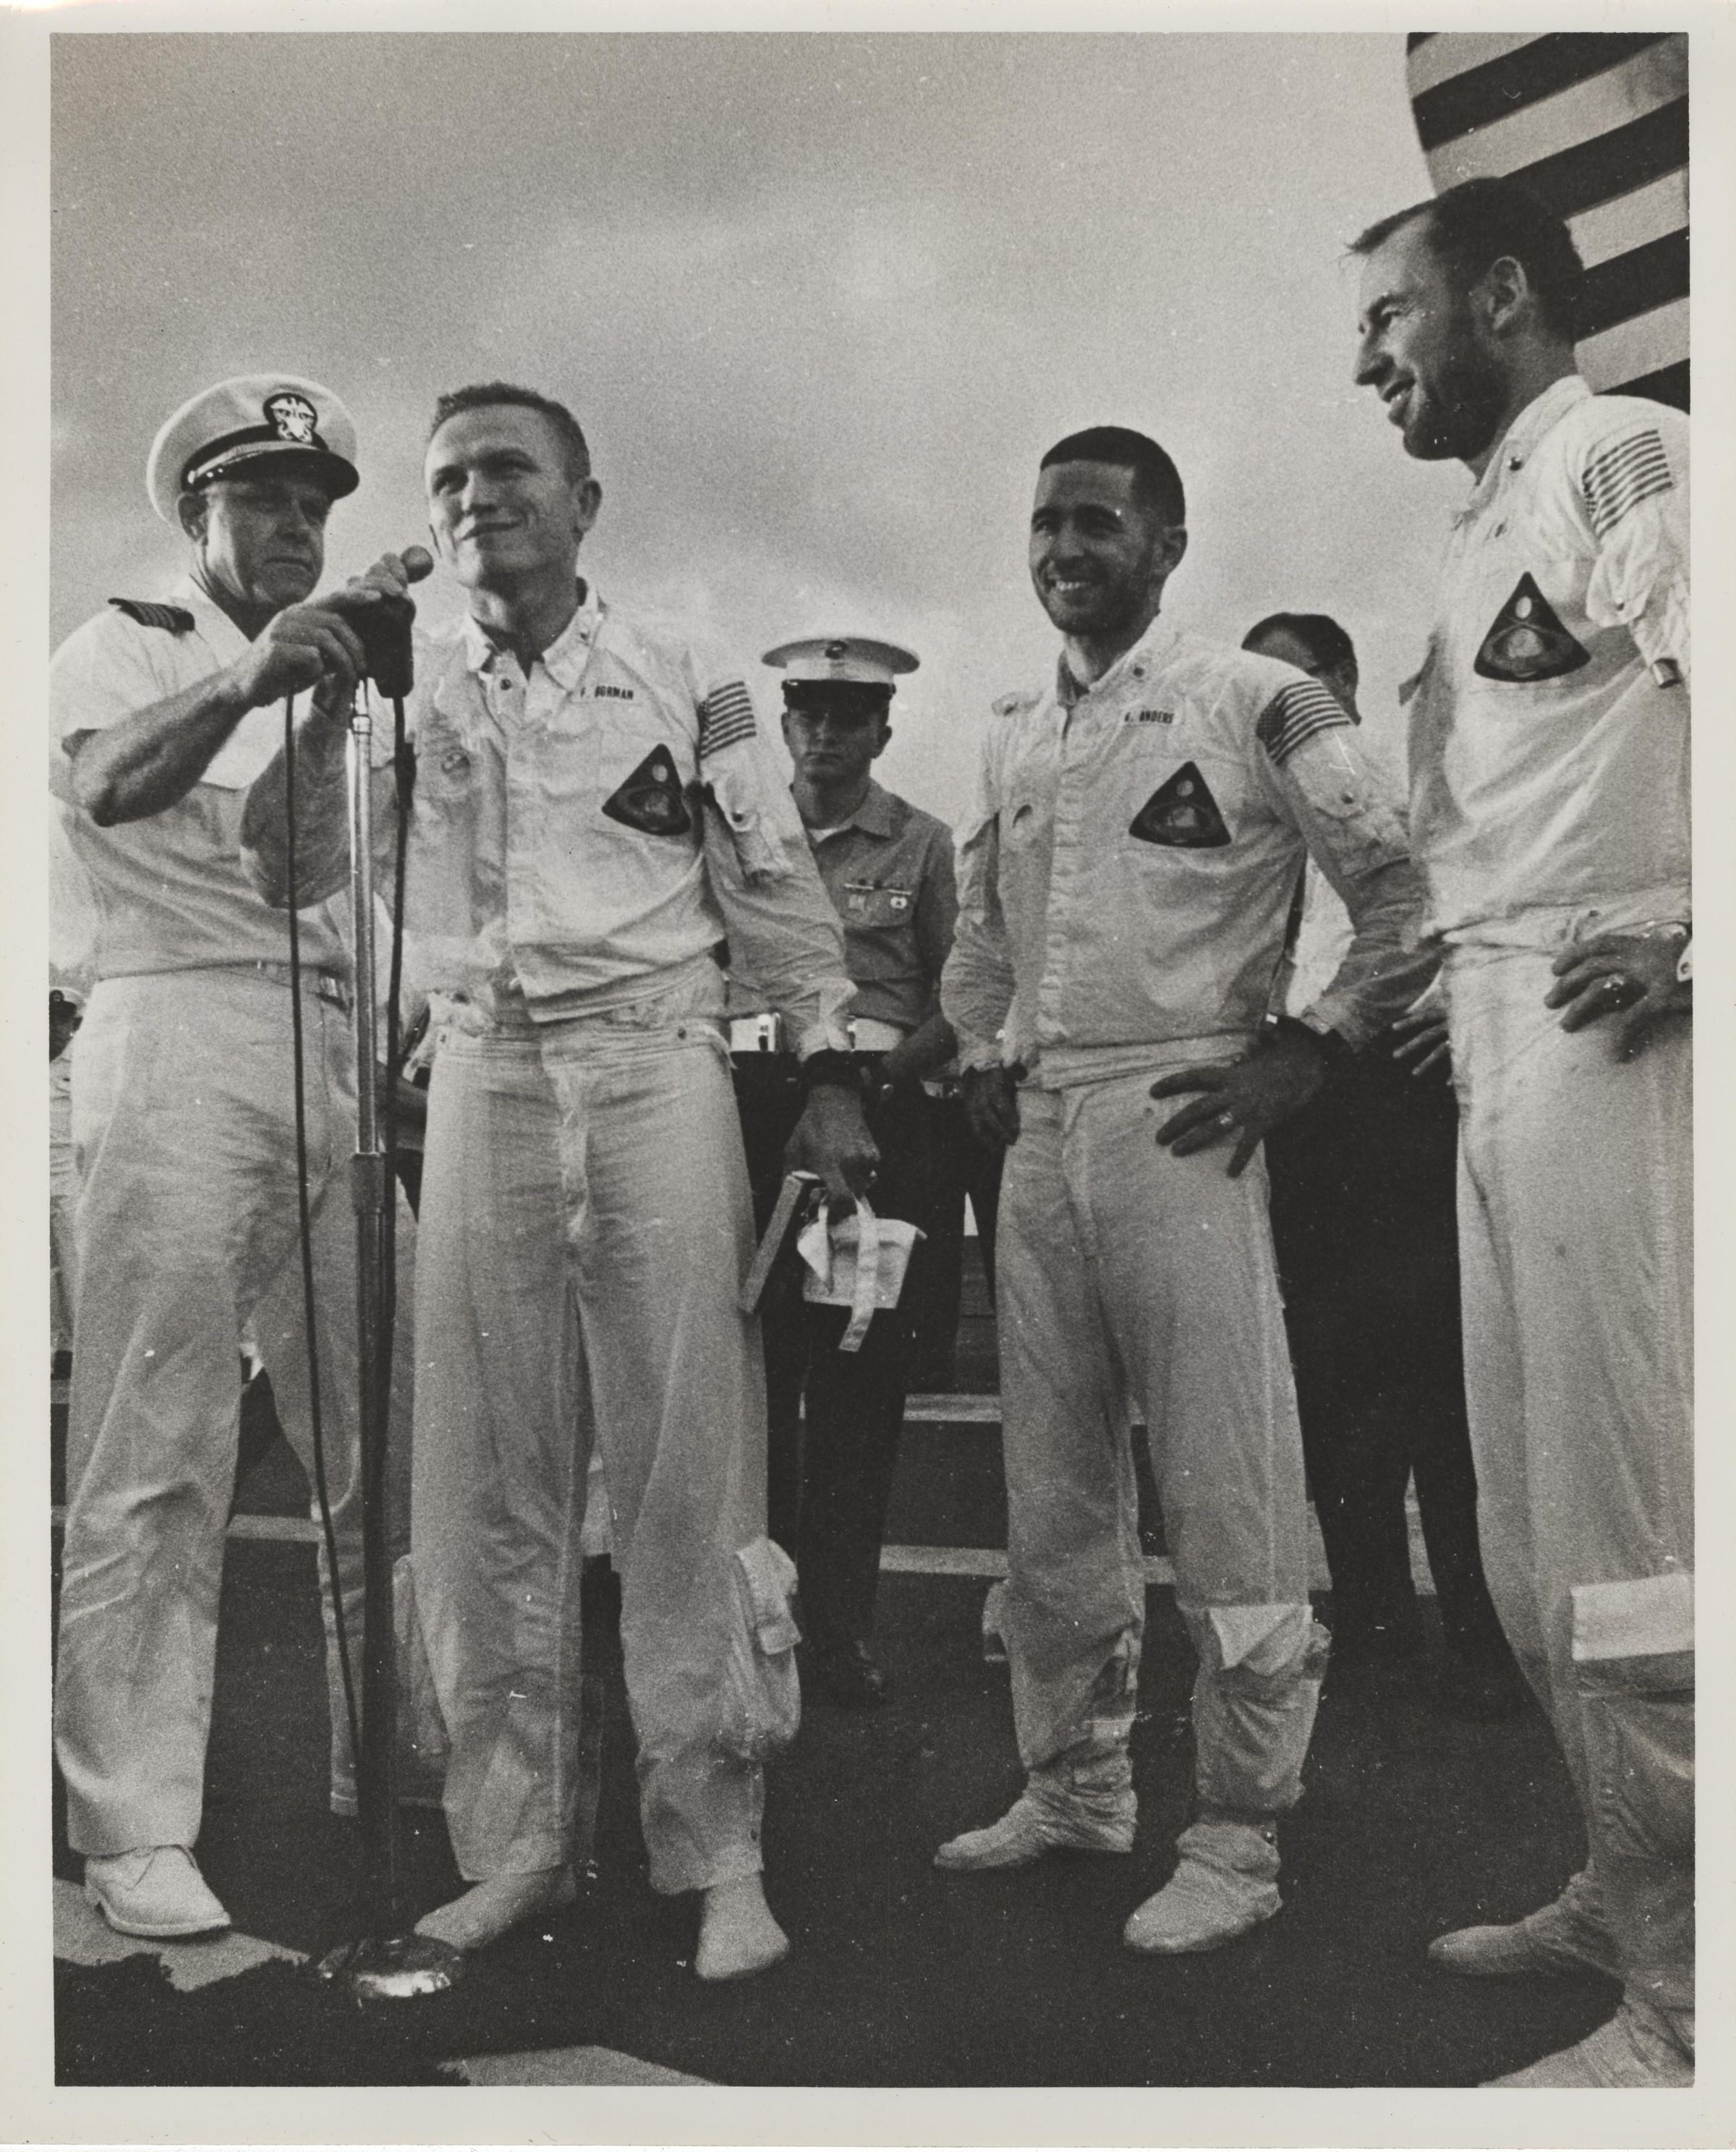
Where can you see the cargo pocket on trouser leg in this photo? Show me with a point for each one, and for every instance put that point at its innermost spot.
(761, 1705)
(1255, 1700)
(1633, 1670)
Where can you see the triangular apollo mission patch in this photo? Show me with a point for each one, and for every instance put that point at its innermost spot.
(1180, 813)
(1527, 642)
(650, 798)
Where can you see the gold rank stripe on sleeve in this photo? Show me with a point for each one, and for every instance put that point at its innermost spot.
(1620, 476)
(726, 717)
(176, 619)
(1294, 714)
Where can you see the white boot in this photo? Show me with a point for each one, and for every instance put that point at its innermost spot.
(738, 1935)
(1088, 1807)
(489, 1909)
(1567, 1936)
(1225, 1882)
(1640, 2046)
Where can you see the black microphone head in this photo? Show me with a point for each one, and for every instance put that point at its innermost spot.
(417, 562)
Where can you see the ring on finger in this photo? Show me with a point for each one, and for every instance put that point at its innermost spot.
(1616, 982)
(1227, 1120)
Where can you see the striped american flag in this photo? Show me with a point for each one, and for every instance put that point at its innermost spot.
(1294, 714)
(725, 717)
(1597, 124)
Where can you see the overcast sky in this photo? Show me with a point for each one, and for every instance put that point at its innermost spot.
(820, 303)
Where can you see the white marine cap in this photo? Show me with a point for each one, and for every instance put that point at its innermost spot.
(857, 658)
(242, 420)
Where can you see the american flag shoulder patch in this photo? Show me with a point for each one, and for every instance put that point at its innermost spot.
(1622, 474)
(1294, 714)
(726, 717)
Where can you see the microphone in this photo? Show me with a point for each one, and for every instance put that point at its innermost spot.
(384, 630)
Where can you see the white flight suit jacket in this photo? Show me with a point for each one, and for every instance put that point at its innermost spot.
(1548, 725)
(1128, 866)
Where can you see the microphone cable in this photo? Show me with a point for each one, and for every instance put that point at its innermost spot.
(304, 1208)
(403, 772)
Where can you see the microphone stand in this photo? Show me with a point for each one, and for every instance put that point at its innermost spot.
(389, 1963)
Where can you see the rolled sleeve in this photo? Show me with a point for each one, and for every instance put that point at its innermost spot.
(1353, 825)
(976, 985)
(782, 930)
(322, 826)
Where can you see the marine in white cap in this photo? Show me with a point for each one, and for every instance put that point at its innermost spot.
(162, 711)
(887, 867)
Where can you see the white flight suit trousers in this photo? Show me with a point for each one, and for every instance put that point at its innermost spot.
(1124, 1273)
(585, 1228)
(62, 1207)
(188, 1238)
(1575, 1246)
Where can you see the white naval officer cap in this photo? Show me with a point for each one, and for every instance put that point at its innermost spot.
(857, 658)
(244, 420)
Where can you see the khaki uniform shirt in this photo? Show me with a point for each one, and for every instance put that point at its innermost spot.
(888, 871)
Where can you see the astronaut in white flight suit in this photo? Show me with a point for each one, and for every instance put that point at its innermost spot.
(1126, 877)
(596, 809)
(1549, 767)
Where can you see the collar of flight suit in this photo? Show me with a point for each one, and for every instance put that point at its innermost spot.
(565, 659)
(1145, 656)
(1523, 435)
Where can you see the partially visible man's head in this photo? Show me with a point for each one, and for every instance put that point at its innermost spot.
(837, 704)
(1457, 294)
(249, 469)
(836, 729)
(260, 539)
(491, 395)
(1315, 644)
(1108, 528)
(510, 489)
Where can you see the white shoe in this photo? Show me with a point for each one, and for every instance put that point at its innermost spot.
(498, 1904)
(1567, 1936)
(738, 1935)
(1225, 1883)
(155, 1891)
(1639, 2046)
(1044, 1820)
